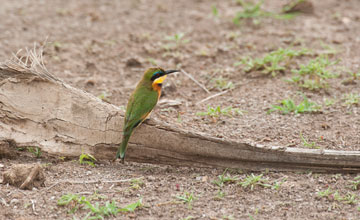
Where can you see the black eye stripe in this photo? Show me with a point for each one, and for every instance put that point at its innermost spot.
(156, 75)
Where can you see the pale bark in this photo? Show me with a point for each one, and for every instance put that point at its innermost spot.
(36, 109)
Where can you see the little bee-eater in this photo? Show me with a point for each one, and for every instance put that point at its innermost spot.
(141, 103)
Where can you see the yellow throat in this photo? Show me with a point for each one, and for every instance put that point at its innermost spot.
(159, 80)
(156, 85)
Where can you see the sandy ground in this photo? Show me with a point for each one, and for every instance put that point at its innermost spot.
(103, 47)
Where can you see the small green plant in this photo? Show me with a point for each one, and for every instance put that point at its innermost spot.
(223, 179)
(306, 143)
(329, 102)
(136, 184)
(104, 96)
(354, 75)
(318, 67)
(217, 112)
(35, 150)
(132, 207)
(328, 49)
(215, 11)
(220, 195)
(352, 78)
(177, 39)
(97, 211)
(222, 84)
(355, 183)
(72, 199)
(66, 199)
(57, 45)
(187, 198)
(272, 63)
(254, 12)
(288, 105)
(251, 11)
(252, 181)
(288, 7)
(351, 99)
(315, 74)
(326, 193)
(350, 198)
(277, 184)
(337, 196)
(87, 159)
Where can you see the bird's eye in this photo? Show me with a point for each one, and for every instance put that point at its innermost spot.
(156, 75)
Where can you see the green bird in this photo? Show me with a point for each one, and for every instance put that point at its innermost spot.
(141, 103)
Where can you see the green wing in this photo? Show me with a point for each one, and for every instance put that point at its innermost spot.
(141, 103)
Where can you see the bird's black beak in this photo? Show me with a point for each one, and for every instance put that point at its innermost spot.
(171, 71)
(163, 73)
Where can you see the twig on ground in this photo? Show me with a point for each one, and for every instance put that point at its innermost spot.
(21, 191)
(168, 203)
(85, 193)
(34, 172)
(3, 201)
(89, 182)
(51, 186)
(98, 181)
(193, 79)
(212, 96)
(33, 206)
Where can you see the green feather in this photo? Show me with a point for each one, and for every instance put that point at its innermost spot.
(141, 103)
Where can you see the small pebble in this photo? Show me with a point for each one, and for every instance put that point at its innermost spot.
(14, 201)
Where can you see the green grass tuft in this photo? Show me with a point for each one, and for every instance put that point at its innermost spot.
(315, 74)
(253, 11)
(87, 159)
(355, 183)
(223, 179)
(217, 112)
(272, 63)
(187, 198)
(351, 99)
(288, 105)
(251, 181)
(36, 151)
(221, 84)
(308, 144)
(97, 211)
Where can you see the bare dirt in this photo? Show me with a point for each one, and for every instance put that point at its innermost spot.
(103, 47)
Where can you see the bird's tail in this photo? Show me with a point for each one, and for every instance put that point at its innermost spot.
(122, 148)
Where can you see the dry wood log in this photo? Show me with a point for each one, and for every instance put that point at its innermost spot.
(36, 109)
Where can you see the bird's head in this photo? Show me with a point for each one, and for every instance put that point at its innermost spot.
(157, 75)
